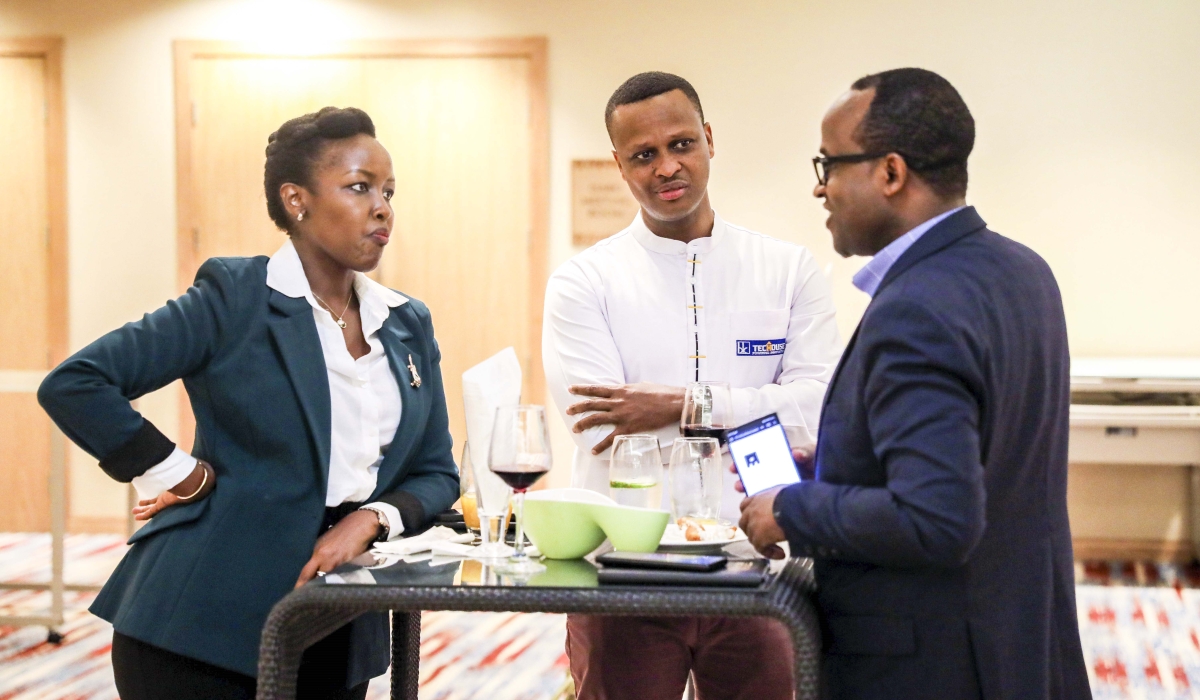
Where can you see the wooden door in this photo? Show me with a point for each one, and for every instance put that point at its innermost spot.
(465, 135)
(32, 317)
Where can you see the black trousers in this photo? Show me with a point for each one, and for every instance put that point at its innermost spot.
(146, 672)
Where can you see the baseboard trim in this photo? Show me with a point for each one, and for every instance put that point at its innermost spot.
(1111, 548)
(95, 524)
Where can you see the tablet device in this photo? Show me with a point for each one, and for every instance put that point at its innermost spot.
(657, 560)
(743, 573)
(762, 455)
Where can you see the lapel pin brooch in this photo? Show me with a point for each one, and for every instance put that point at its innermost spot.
(412, 370)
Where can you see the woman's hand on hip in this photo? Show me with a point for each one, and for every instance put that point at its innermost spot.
(196, 487)
(344, 541)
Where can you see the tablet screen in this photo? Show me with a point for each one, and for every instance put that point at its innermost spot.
(762, 455)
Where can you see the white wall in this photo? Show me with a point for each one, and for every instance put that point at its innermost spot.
(1087, 150)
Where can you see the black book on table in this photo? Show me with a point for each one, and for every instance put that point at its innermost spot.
(748, 573)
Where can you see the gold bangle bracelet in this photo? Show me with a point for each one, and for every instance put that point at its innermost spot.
(202, 483)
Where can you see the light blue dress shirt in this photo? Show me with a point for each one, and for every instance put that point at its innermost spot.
(868, 278)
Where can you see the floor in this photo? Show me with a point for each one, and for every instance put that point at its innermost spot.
(1140, 625)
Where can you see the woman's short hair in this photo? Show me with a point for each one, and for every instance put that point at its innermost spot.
(294, 148)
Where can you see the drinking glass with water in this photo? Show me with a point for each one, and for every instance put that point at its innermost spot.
(696, 478)
(635, 472)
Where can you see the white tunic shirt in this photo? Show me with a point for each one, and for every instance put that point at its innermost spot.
(736, 307)
(364, 397)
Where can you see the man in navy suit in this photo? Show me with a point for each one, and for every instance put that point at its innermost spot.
(938, 516)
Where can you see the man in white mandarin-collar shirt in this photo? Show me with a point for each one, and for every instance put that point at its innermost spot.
(680, 296)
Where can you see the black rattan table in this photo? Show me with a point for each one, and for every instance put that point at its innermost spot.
(317, 609)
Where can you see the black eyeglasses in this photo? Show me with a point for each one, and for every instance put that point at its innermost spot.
(822, 164)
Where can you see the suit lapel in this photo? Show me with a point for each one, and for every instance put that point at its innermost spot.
(295, 333)
(396, 339)
(838, 370)
(829, 392)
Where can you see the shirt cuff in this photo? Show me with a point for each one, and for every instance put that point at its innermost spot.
(740, 400)
(167, 474)
(395, 524)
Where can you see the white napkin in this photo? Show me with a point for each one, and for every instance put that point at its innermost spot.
(423, 542)
(451, 549)
(493, 383)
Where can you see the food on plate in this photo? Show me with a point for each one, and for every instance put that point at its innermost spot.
(703, 530)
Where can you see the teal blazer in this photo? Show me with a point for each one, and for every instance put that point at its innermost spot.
(200, 579)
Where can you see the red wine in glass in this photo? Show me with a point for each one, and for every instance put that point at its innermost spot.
(705, 431)
(520, 476)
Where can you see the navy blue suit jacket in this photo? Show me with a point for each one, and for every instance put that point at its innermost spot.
(200, 579)
(938, 517)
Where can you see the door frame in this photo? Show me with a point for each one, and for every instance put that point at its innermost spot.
(534, 49)
(50, 50)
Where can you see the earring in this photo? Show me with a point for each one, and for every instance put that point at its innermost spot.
(300, 216)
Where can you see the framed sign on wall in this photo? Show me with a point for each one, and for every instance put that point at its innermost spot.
(600, 201)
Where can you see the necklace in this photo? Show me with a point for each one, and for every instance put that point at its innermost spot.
(338, 318)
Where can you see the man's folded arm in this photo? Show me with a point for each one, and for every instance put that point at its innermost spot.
(577, 346)
(923, 418)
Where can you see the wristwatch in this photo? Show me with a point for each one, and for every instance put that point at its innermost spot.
(385, 527)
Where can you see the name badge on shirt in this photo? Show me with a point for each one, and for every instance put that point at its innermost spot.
(761, 348)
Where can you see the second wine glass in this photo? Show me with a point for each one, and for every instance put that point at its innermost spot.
(520, 455)
(707, 410)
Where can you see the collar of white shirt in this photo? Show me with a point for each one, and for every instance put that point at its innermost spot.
(871, 275)
(285, 274)
(667, 246)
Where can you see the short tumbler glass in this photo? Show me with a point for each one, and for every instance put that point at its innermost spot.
(695, 477)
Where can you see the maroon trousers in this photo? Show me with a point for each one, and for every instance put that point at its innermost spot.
(649, 658)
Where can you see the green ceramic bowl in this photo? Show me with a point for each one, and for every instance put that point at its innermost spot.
(560, 522)
(631, 529)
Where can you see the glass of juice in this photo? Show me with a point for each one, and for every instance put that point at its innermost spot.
(635, 473)
(467, 492)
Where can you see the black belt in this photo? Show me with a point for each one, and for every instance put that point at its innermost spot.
(334, 514)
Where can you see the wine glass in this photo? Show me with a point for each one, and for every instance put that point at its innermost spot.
(707, 410)
(492, 497)
(635, 472)
(520, 455)
(696, 481)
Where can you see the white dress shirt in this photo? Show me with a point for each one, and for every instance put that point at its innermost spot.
(364, 397)
(636, 307)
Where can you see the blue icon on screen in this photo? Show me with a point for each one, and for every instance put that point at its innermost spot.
(752, 459)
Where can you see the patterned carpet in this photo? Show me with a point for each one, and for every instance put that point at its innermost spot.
(1140, 625)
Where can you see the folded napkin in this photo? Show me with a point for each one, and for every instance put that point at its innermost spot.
(423, 542)
(451, 549)
(493, 383)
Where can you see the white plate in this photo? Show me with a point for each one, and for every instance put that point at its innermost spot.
(675, 545)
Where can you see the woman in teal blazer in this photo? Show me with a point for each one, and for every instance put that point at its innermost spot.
(250, 521)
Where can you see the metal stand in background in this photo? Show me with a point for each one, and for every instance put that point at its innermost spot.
(58, 525)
